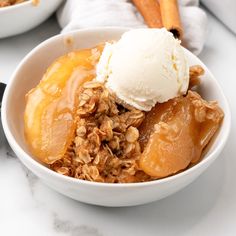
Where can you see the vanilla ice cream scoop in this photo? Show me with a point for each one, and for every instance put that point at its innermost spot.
(144, 67)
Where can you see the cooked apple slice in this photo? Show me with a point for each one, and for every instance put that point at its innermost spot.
(174, 134)
(51, 106)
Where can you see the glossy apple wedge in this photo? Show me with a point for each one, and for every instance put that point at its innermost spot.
(51, 106)
(174, 134)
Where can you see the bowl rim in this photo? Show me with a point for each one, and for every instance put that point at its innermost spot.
(48, 172)
(15, 6)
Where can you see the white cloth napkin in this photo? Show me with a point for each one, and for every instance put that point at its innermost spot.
(78, 14)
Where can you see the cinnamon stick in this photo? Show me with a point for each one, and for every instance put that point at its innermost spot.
(150, 10)
(171, 18)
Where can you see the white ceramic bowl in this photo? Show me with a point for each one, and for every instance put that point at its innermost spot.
(22, 17)
(29, 73)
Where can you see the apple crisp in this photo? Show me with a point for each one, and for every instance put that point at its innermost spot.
(79, 128)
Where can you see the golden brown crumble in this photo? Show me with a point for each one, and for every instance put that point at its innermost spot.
(194, 73)
(106, 146)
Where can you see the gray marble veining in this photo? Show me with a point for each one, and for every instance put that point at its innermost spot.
(70, 229)
(32, 179)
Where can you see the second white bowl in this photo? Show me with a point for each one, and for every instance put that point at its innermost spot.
(22, 17)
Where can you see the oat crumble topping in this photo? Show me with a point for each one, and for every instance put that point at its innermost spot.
(106, 146)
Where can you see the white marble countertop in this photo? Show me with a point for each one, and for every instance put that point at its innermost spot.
(206, 207)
